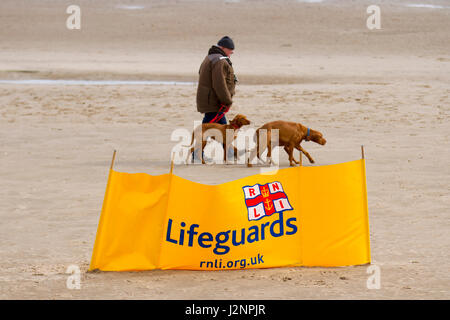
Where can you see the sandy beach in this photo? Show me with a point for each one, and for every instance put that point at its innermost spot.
(314, 63)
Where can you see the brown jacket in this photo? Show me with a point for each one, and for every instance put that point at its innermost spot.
(216, 82)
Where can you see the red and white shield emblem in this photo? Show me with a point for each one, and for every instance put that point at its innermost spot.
(265, 200)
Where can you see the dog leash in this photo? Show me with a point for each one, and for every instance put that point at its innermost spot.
(224, 109)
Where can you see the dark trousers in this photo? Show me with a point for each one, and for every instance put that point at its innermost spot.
(210, 115)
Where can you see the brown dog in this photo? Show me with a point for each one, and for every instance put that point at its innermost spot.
(235, 124)
(291, 134)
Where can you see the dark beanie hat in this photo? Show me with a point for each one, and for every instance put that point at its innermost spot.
(226, 42)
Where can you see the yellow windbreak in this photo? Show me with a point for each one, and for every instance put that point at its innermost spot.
(302, 216)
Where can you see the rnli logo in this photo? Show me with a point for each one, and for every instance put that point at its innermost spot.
(266, 199)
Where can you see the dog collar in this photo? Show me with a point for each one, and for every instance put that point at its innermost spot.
(235, 126)
(307, 134)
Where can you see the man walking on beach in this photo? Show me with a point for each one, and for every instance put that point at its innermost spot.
(216, 82)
